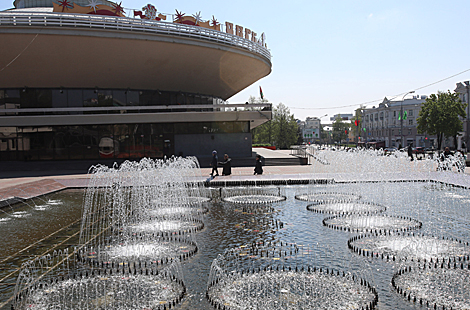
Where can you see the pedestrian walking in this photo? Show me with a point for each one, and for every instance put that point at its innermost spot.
(410, 151)
(214, 162)
(259, 165)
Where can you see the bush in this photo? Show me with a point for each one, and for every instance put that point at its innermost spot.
(261, 144)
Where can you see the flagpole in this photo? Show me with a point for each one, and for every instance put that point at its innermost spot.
(401, 118)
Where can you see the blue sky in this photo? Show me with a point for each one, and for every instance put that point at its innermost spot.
(331, 56)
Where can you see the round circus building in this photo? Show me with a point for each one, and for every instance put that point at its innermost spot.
(80, 80)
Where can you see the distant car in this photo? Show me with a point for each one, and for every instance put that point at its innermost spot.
(390, 150)
(418, 150)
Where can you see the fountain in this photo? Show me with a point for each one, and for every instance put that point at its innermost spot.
(335, 207)
(138, 223)
(271, 247)
(322, 197)
(58, 281)
(283, 276)
(144, 211)
(410, 246)
(253, 195)
(436, 286)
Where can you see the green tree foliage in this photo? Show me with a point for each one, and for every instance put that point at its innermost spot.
(339, 128)
(357, 117)
(281, 131)
(440, 114)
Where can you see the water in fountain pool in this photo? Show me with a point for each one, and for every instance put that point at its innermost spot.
(441, 209)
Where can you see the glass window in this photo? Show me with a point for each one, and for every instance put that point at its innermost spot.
(191, 128)
(222, 127)
(108, 146)
(133, 98)
(75, 100)
(105, 98)
(44, 98)
(90, 98)
(89, 142)
(28, 98)
(59, 98)
(119, 98)
(121, 136)
(241, 127)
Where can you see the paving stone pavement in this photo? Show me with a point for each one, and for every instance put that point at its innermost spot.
(28, 187)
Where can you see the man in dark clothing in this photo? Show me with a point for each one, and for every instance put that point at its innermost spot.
(410, 151)
(214, 161)
(227, 165)
(259, 165)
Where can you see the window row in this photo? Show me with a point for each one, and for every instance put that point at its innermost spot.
(27, 98)
(102, 141)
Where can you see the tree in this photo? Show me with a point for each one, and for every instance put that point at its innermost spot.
(281, 131)
(339, 128)
(440, 114)
(357, 119)
(285, 127)
(262, 134)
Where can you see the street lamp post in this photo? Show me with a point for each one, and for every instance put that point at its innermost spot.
(401, 117)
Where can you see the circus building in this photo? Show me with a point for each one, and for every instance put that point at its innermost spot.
(91, 79)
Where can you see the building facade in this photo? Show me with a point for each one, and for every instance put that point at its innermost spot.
(90, 86)
(310, 129)
(387, 123)
(463, 89)
(343, 116)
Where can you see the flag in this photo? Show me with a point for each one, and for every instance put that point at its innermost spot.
(399, 116)
(261, 93)
(405, 114)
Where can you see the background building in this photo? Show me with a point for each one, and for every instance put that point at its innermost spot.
(384, 123)
(311, 129)
(343, 116)
(464, 94)
(90, 86)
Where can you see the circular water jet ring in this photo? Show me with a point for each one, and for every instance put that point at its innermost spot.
(174, 211)
(261, 225)
(356, 207)
(190, 200)
(140, 254)
(327, 196)
(286, 289)
(102, 290)
(162, 227)
(253, 199)
(256, 209)
(436, 286)
(410, 246)
(371, 223)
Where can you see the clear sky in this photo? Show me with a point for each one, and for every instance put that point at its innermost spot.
(331, 56)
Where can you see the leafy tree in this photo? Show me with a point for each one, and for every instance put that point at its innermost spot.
(357, 117)
(285, 127)
(281, 131)
(440, 114)
(339, 128)
(262, 134)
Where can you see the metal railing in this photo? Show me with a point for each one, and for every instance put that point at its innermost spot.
(68, 20)
(142, 109)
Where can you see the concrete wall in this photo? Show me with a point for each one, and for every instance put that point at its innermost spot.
(202, 145)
